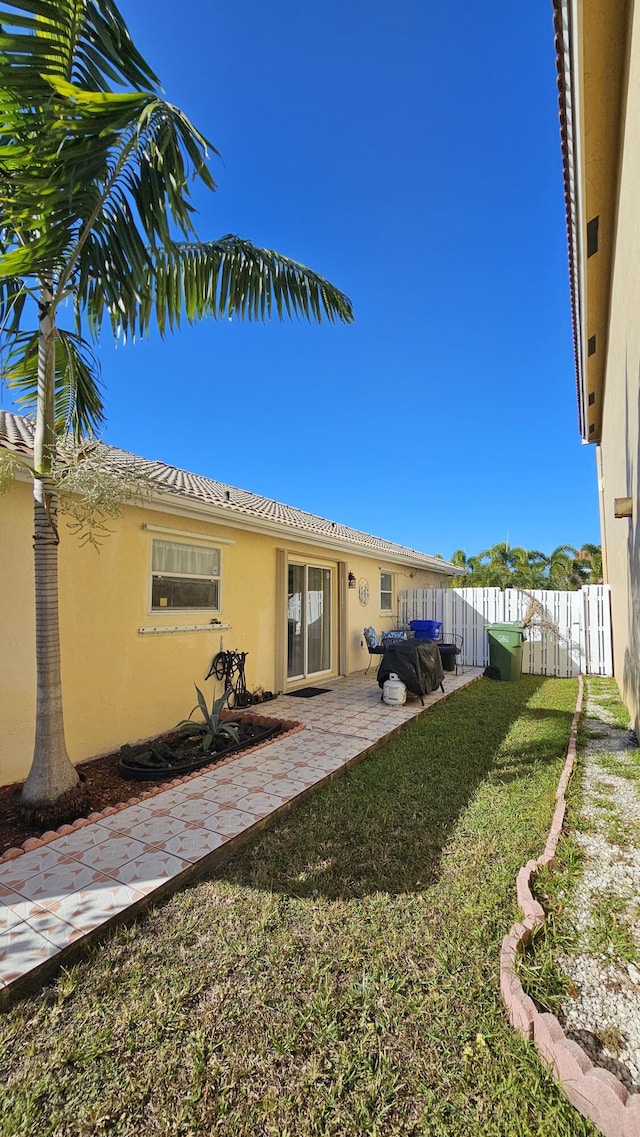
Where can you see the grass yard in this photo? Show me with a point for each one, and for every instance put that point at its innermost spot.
(339, 975)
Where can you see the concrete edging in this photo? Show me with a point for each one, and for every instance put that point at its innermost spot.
(594, 1091)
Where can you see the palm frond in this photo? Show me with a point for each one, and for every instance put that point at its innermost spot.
(13, 296)
(84, 41)
(78, 403)
(224, 278)
(115, 173)
(218, 279)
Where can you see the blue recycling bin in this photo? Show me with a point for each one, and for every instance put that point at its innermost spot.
(425, 629)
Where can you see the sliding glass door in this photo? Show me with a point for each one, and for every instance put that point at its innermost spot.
(308, 621)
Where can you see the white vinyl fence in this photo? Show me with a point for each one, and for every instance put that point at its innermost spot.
(570, 633)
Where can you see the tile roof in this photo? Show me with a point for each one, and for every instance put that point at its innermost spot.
(16, 434)
(561, 21)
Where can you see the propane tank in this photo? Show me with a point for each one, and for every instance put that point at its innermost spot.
(394, 691)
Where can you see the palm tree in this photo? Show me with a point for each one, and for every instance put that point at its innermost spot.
(472, 571)
(504, 566)
(497, 568)
(460, 559)
(96, 220)
(565, 572)
(528, 568)
(592, 554)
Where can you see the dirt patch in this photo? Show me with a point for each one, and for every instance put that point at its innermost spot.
(108, 789)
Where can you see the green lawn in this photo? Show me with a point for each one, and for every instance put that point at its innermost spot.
(339, 975)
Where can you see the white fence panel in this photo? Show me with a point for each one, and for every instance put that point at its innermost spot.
(555, 640)
(473, 608)
(570, 634)
(597, 620)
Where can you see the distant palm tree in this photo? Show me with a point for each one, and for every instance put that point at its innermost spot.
(593, 554)
(96, 220)
(472, 570)
(566, 571)
(529, 568)
(496, 566)
(512, 566)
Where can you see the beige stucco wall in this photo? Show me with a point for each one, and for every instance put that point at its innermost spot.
(620, 454)
(119, 685)
(603, 29)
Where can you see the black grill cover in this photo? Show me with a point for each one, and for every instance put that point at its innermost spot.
(416, 662)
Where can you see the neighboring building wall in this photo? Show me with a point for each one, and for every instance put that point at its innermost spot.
(121, 686)
(620, 455)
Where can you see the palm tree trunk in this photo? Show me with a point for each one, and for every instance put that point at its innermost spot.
(52, 773)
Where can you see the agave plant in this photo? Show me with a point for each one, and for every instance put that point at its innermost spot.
(211, 724)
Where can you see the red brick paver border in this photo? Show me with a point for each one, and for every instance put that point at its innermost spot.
(289, 726)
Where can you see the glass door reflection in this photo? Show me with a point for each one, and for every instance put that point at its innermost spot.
(295, 623)
(308, 621)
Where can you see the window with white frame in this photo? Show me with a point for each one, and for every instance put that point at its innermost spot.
(386, 592)
(184, 576)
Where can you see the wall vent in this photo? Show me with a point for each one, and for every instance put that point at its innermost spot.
(592, 236)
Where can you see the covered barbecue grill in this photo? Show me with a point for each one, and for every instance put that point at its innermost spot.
(417, 663)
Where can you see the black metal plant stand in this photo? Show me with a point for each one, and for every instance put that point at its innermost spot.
(229, 666)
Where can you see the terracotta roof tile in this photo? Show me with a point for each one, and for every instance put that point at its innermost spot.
(561, 37)
(16, 433)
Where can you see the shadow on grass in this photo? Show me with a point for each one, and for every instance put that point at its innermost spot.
(382, 826)
(517, 760)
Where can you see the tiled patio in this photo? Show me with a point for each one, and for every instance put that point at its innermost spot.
(57, 895)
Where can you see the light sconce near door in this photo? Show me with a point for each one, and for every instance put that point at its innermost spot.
(352, 580)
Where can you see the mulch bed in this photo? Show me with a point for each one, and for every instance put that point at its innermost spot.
(107, 787)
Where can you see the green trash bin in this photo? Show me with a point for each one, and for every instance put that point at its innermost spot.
(505, 649)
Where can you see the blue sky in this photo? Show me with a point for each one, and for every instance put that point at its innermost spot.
(411, 154)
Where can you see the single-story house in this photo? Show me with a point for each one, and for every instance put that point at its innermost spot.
(598, 55)
(196, 567)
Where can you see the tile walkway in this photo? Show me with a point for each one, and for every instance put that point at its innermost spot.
(54, 896)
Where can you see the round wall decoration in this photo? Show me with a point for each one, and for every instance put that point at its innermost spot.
(363, 590)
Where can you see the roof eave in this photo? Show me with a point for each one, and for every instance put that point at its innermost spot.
(566, 29)
(187, 507)
(172, 501)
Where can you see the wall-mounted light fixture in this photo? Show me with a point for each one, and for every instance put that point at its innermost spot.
(352, 580)
(623, 507)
